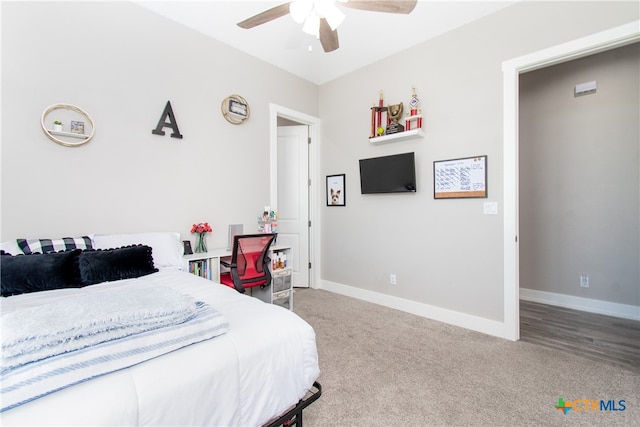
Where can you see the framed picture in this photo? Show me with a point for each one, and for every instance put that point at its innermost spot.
(237, 107)
(460, 178)
(336, 195)
(77, 127)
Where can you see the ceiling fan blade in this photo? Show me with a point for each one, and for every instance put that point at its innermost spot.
(388, 6)
(266, 16)
(328, 37)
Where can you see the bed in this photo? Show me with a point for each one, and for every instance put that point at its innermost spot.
(261, 361)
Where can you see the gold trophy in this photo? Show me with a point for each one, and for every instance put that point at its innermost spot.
(395, 113)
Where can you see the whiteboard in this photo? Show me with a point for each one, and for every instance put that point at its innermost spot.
(458, 178)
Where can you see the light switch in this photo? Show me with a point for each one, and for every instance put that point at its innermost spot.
(491, 208)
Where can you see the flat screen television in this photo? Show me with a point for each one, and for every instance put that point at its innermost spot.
(388, 174)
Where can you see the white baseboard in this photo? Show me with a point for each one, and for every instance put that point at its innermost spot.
(624, 311)
(479, 324)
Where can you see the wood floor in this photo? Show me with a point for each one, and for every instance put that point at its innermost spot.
(608, 339)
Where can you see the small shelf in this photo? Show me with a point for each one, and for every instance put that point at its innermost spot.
(71, 134)
(400, 136)
(72, 113)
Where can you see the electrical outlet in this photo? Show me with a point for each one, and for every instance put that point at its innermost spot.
(392, 279)
(584, 280)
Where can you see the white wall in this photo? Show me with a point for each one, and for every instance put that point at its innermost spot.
(580, 178)
(121, 63)
(447, 255)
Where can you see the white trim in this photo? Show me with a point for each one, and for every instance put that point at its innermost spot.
(605, 40)
(479, 324)
(624, 311)
(276, 111)
(511, 279)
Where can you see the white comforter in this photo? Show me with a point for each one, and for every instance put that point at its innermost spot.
(264, 364)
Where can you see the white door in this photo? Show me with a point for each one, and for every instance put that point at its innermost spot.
(293, 198)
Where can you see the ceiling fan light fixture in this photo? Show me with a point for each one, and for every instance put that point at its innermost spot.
(321, 18)
(309, 12)
(312, 25)
(300, 10)
(334, 16)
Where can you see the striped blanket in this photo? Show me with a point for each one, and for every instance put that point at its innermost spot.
(34, 365)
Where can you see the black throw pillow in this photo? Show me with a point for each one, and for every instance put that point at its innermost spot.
(36, 272)
(107, 265)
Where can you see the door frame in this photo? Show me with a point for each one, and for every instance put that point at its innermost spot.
(589, 45)
(313, 123)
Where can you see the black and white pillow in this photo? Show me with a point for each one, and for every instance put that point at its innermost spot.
(46, 246)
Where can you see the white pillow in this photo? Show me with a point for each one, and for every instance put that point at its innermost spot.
(11, 247)
(167, 248)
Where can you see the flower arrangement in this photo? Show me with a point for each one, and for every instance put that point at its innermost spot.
(201, 229)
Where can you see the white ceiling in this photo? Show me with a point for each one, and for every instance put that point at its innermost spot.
(364, 37)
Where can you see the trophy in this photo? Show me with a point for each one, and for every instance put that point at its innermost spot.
(395, 113)
(414, 102)
(376, 118)
(415, 114)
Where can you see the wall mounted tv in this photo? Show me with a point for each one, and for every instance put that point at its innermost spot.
(388, 174)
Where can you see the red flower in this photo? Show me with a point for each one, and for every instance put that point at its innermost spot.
(201, 228)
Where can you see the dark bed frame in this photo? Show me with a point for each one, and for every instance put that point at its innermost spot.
(293, 417)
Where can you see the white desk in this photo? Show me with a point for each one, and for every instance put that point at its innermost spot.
(207, 265)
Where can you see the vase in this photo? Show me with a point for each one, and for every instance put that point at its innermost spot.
(201, 245)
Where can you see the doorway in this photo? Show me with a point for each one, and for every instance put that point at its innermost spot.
(606, 40)
(293, 189)
(578, 189)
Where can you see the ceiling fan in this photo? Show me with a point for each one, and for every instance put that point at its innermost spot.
(321, 18)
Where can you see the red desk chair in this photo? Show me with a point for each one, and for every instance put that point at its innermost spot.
(250, 260)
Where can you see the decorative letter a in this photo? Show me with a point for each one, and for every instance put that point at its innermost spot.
(168, 111)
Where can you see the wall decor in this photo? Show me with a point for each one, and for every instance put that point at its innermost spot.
(415, 114)
(77, 127)
(336, 195)
(172, 123)
(395, 113)
(460, 178)
(57, 115)
(235, 109)
(377, 122)
(385, 120)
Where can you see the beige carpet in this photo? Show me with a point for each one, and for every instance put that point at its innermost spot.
(383, 367)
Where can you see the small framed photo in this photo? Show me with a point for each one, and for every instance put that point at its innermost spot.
(336, 195)
(238, 108)
(77, 127)
(235, 109)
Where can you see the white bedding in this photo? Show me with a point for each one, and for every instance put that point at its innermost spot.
(263, 365)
